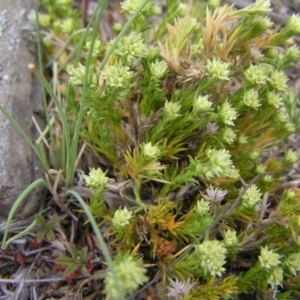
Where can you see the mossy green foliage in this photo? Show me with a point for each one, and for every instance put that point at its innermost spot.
(181, 121)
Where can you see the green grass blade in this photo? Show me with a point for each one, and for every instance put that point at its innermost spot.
(99, 238)
(99, 12)
(42, 159)
(22, 233)
(59, 53)
(66, 131)
(15, 206)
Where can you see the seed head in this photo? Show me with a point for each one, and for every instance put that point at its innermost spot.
(217, 68)
(255, 74)
(118, 76)
(97, 48)
(178, 289)
(251, 99)
(44, 20)
(230, 238)
(201, 104)
(152, 53)
(289, 128)
(131, 48)
(293, 263)
(172, 110)
(227, 113)
(228, 136)
(290, 157)
(274, 99)
(121, 217)
(278, 81)
(131, 7)
(253, 155)
(203, 207)
(292, 53)
(292, 27)
(219, 163)
(68, 25)
(275, 277)
(282, 115)
(214, 195)
(268, 258)
(150, 151)
(211, 129)
(251, 197)
(130, 274)
(243, 140)
(212, 255)
(261, 168)
(96, 180)
(159, 69)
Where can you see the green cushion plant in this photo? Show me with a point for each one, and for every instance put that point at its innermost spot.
(177, 120)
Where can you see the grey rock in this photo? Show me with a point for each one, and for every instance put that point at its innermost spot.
(20, 96)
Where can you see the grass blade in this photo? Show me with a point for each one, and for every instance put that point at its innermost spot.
(15, 206)
(99, 238)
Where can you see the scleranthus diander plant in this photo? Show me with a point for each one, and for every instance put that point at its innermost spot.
(179, 115)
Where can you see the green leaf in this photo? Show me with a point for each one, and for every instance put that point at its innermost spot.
(53, 222)
(65, 260)
(40, 235)
(72, 268)
(40, 219)
(83, 254)
(50, 235)
(84, 271)
(73, 250)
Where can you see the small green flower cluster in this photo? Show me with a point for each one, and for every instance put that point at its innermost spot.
(61, 16)
(121, 217)
(252, 197)
(96, 181)
(270, 260)
(276, 266)
(130, 274)
(130, 48)
(132, 6)
(211, 255)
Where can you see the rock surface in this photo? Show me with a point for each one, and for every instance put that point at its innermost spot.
(20, 96)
